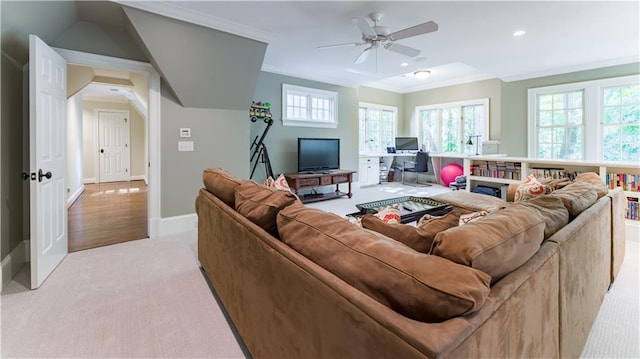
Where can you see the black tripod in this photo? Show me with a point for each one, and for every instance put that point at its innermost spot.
(260, 154)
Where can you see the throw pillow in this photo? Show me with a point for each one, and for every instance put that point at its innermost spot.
(530, 188)
(390, 214)
(466, 218)
(278, 183)
(496, 245)
(261, 204)
(419, 286)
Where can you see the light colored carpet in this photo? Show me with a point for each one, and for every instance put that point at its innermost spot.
(148, 298)
(145, 298)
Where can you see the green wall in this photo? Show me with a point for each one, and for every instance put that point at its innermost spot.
(281, 141)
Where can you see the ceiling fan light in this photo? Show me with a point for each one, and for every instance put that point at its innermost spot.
(421, 74)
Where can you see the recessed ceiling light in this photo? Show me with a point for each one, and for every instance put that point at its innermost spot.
(404, 64)
(519, 33)
(421, 74)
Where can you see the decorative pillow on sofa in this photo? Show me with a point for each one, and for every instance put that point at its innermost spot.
(530, 188)
(278, 183)
(222, 184)
(577, 197)
(390, 214)
(419, 286)
(419, 237)
(261, 204)
(595, 180)
(496, 244)
(552, 212)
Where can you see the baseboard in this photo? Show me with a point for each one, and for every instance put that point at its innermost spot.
(88, 180)
(172, 225)
(12, 263)
(139, 178)
(74, 197)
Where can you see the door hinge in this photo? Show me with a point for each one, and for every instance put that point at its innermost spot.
(126, 170)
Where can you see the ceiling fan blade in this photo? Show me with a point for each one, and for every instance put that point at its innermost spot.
(341, 45)
(413, 31)
(363, 56)
(364, 26)
(402, 49)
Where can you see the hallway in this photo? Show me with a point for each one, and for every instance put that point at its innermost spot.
(108, 213)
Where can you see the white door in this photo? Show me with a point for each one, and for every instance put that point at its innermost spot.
(113, 142)
(47, 151)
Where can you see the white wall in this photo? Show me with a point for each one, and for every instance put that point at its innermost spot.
(74, 148)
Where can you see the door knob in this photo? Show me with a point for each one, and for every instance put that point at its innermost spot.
(102, 150)
(40, 175)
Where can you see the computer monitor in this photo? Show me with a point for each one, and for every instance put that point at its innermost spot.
(406, 143)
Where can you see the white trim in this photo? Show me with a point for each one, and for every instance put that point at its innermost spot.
(374, 106)
(75, 196)
(175, 11)
(592, 112)
(309, 92)
(569, 69)
(139, 178)
(88, 180)
(12, 263)
(178, 224)
(154, 108)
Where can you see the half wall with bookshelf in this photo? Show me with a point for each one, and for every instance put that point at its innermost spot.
(500, 171)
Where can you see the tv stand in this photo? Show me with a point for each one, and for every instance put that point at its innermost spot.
(309, 180)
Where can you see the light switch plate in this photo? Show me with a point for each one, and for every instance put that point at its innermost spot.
(185, 146)
(185, 132)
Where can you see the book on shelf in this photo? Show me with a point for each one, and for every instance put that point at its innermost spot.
(632, 208)
(554, 173)
(628, 181)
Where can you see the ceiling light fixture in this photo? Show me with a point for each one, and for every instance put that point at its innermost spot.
(404, 64)
(421, 74)
(519, 33)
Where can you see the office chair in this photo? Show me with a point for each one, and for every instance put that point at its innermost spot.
(420, 165)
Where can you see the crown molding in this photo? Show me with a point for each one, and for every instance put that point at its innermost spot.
(575, 68)
(173, 10)
(283, 72)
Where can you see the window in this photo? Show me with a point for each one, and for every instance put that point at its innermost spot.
(621, 123)
(594, 120)
(377, 124)
(560, 125)
(302, 106)
(445, 128)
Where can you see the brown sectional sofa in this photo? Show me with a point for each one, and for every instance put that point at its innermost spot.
(285, 303)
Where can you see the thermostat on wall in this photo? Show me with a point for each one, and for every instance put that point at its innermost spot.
(185, 132)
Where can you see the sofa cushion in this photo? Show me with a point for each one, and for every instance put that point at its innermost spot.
(552, 212)
(419, 237)
(419, 286)
(595, 180)
(221, 183)
(496, 244)
(470, 201)
(261, 204)
(576, 197)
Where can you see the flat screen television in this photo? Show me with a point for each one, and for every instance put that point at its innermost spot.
(406, 143)
(318, 154)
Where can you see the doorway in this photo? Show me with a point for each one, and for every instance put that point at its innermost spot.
(125, 204)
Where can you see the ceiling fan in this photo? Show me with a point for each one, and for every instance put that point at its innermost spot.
(376, 36)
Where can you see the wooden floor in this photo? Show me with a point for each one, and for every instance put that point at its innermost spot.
(108, 213)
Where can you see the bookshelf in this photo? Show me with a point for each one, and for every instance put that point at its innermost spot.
(501, 171)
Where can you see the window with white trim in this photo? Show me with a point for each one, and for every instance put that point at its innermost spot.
(447, 127)
(309, 107)
(377, 127)
(593, 120)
